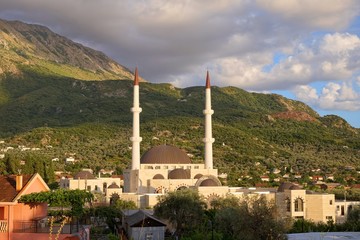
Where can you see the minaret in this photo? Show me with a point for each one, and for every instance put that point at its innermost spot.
(136, 139)
(208, 140)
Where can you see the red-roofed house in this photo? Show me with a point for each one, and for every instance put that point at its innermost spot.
(13, 214)
(19, 221)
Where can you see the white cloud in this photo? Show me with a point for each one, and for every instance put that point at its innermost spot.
(307, 94)
(239, 41)
(332, 97)
(325, 14)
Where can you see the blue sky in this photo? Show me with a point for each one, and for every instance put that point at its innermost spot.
(303, 49)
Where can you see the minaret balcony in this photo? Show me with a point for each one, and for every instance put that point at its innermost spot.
(136, 109)
(136, 139)
(208, 111)
(207, 140)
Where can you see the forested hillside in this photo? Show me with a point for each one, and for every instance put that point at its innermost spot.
(49, 114)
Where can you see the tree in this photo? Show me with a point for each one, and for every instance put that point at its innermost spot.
(248, 218)
(124, 204)
(60, 197)
(183, 209)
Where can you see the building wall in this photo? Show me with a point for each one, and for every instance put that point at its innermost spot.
(89, 184)
(157, 233)
(320, 207)
(26, 212)
(342, 209)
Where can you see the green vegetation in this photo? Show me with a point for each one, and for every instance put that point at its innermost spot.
(75, 199)
(92, 120)
(183, 209)
(227, 218)
(352, 224)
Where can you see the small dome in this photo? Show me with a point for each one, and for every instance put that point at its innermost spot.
(158, 176)
(295, 187)
(84, 175)
(208, 183)
(165, 154)
(113, 185)
(285, 186)
(179, 173)
(197, 176)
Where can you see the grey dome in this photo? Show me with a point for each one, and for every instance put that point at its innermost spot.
(158, 176)
(208, 183)
(179, 173)
(165, 154)
(84, 175)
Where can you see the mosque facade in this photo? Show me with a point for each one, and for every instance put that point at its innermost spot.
(167, 168)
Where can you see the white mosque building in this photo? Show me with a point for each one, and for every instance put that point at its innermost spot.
(167, 168)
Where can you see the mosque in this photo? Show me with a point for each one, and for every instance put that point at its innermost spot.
(167, 168)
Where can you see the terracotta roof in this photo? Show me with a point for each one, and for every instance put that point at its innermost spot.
(207, 79)
(8, 187)
(136, 78)
(165, 154)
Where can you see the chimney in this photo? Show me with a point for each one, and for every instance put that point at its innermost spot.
(19, 182)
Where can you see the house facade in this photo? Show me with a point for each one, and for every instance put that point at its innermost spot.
(15, 216)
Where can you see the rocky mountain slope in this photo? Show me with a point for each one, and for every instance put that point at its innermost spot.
(33, 46)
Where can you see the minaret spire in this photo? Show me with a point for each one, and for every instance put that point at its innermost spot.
(208, 140)
(136, 139)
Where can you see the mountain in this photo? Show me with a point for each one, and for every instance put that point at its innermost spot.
(33, 46)
(60, 113)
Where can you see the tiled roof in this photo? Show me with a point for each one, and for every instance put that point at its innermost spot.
(8, 186)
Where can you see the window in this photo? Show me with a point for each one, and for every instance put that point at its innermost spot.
(299, 205)
(88, 188)
(328, 218)
(104, 187)
(149, 236)
(331, 202)
(2, 213)
(342, 210)
(288, 204)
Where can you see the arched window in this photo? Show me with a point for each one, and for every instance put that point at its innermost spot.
(114, 197)
(104, 187)
(288, 204)
(299, 205)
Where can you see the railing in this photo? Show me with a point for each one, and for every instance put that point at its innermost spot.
(43, 227)
(3, 225)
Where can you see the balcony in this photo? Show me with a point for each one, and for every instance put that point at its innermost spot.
(3, 226)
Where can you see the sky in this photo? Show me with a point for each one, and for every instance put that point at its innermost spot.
(305, 50)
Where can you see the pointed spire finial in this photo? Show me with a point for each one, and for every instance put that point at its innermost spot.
(207, 79)
(136, 79)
